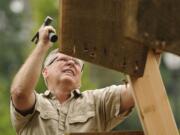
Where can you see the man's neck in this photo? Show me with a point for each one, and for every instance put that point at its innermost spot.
(62, 93)
(63, 96)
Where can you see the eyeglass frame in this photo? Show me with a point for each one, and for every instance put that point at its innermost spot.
(54, 59)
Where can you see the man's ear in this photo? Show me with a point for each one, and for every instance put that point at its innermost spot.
(45, 72)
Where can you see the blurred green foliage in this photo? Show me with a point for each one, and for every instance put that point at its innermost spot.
(16, 31)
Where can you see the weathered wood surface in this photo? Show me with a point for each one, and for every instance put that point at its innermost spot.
(152, 102)
(111, 133)
(98, 32)
(159, 24)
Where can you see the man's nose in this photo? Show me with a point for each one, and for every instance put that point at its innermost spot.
(71, 62)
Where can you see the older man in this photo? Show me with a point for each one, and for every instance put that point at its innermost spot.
(62, 108)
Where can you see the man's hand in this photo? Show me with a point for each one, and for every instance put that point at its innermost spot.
(44, 35)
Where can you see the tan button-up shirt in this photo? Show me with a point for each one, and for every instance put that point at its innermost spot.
(89, 111)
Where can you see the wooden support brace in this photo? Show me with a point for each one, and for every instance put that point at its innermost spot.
(152, 102)
(111, 133)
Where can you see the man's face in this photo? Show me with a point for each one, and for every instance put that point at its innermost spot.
(65, 70)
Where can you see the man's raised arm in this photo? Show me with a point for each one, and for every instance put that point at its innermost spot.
(127, 101)
(23, 85)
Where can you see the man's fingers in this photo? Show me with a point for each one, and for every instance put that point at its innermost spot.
(49, 28)
(44, 33)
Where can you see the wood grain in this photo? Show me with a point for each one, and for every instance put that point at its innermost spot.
(152, 102)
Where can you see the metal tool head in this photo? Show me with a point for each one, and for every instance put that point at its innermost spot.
(48, 21)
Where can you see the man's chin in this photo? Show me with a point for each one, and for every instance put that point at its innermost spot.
(68, 80)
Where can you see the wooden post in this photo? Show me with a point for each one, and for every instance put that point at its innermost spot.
(110, 133)
(152, 102)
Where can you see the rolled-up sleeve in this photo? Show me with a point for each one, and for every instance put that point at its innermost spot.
(108, 106)
(19, 121)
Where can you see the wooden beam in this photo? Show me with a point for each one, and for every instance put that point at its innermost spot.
(111, 133)
(152, 102)
(101, 32)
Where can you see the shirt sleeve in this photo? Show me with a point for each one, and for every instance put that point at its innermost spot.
(19, 120)
(108, 106)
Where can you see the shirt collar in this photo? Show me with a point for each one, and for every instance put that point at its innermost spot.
(74, 94)
(48, 94)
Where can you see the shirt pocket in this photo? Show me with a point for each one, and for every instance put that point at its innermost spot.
(48, 122)
(81, 118)
(82, 122)
(48, 115)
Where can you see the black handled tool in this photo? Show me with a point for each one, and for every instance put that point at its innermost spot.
(52, 36)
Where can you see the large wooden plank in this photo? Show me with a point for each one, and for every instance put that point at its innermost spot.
(111, 133)
(159, 24)
(152, 102)
(96, 31)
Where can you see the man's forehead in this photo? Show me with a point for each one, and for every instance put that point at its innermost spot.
(61, 55)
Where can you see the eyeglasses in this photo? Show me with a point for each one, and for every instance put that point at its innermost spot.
(77, 62)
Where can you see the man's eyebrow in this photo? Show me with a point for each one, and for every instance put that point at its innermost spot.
(52, 60)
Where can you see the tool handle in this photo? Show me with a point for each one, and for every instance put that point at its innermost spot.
(52, 36)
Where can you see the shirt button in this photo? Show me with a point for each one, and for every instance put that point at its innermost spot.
(46, 115)
(46, 93)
